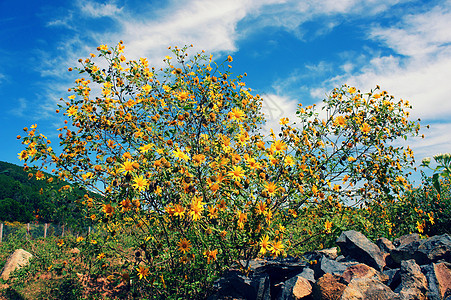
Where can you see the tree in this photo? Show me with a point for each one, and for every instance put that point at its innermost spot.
(186, 175)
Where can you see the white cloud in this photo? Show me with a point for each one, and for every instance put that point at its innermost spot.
(96, 10)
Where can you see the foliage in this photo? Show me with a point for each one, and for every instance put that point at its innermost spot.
(26, 199)
(189, 181)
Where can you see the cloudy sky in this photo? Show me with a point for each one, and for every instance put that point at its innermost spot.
(293, 52)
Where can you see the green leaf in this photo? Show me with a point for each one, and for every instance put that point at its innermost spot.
(436, 182)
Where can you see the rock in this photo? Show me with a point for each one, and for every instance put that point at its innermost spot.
(425, 251)
(295, 288)
(331, 253)
(394, 278)
(367, 289)
(406, 239)
(75, 251)
(413, 283)
(237, 286)
(443, 275)
(359, 247)
(363, 271)
(326, 265)
(308, 274)
(328, 287)
(436, 248)
(433, 292)
(385, 245)
(17, 260)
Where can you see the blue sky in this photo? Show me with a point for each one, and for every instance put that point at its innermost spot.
(292, 51)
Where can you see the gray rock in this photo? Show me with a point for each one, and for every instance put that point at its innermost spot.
(406, 239)
(433, 292)
(425, 251)
(394, 278)
(385, 245)
(308, 274)
(295, 288)
(326, 265)
(359, 247)
(413, 282)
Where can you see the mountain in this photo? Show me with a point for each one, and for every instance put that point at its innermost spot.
(26, 199)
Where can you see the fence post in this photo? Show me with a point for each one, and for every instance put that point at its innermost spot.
(28, 228)
(45, 230)
(1, 231)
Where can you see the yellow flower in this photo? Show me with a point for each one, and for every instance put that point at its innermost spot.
(279, 146)
(140, 183)
(101, 256)
(179, 211)
(229, 58)
(80, 239)
(237, 173)
(271, 188)
(198, 159)
(23, 155)
(351, 90)
(277, 248)
(284, 121)
(108, 209)
(420, 227)
(210, 255)
(60, 243)
(340, 121)
(328, 226)
(184, 245)
(237, 114)
(142, 272)
(365, 128)
(180, 155)
(264, 244)
(196, 208)
(71, 111)
(128, 166)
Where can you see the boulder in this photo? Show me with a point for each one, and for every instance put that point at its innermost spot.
(385, 245)
(359, 247)
(331, 253)
(328, 287)
(443, 275)
(326, 265)
(17, 260)
(425, 251)
(308, 274)
(363, 271)
(367, 289)
(413, 283)
(406, 239)
(237, 286)
(295, 288)
(433, 292)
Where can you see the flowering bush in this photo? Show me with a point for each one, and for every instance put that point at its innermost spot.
(189, 181)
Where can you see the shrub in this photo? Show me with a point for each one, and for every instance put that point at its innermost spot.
(189, 181)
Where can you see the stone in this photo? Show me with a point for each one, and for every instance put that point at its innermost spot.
(237, 286)
(326, 265)
(436, 248)
(433, 292)
(20, 258)
(359, 247)
(394, 278)
(308, 274)
(331, 253)
(367, 289)
(443, 275)
(385, 245)
(425, 251)
(413, 283)
(406, 239)
(363, 271)
(328, 287)
(295, 288)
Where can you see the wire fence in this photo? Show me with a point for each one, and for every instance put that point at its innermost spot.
(39, 230)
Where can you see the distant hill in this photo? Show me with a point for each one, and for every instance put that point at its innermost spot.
(26, 199)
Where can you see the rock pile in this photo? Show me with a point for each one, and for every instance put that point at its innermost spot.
(408, 268)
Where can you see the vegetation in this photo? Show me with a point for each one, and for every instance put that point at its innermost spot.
(190, 187)
(25, 199)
